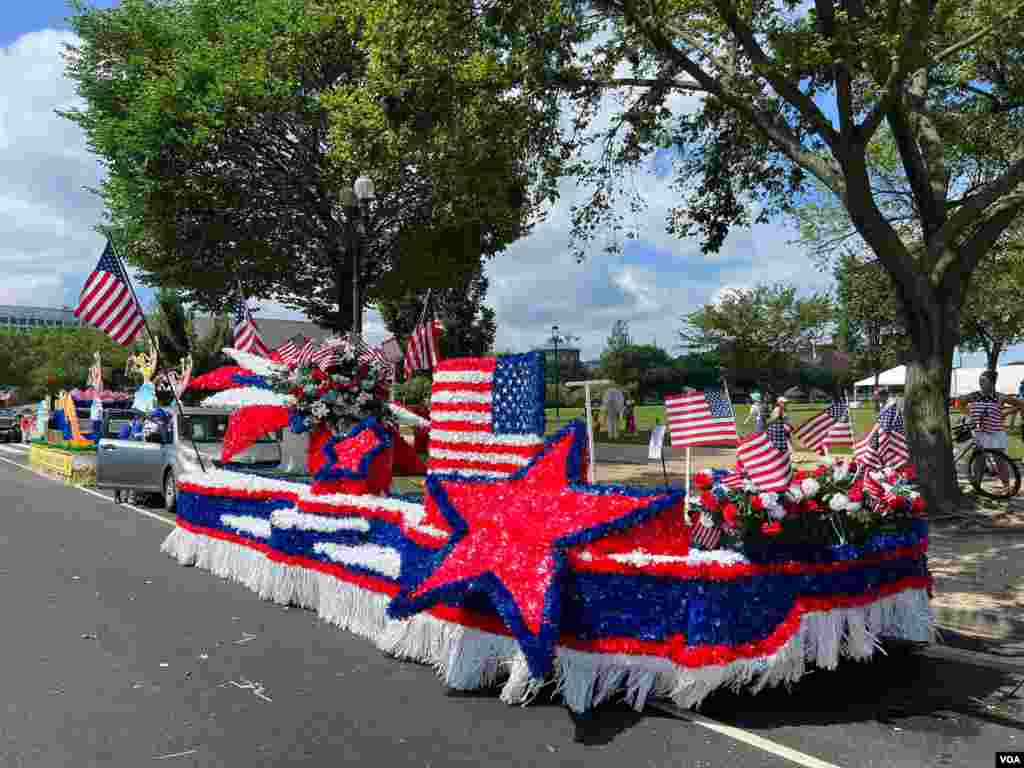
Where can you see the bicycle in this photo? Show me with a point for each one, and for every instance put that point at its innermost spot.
(983, 466)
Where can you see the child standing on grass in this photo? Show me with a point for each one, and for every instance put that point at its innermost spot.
(756, 412)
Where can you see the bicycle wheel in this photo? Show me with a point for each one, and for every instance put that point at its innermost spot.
(987, 469)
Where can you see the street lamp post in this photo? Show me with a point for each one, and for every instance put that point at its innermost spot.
(356, 202)
(558, 372)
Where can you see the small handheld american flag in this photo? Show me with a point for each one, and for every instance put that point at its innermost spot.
(764, 456)
(287, 353)
(866, 450)
(892, 440)
(702, 417)
(107, 301)
(247, 334)
(829, 428)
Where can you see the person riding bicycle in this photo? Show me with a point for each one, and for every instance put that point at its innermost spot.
(986, 411)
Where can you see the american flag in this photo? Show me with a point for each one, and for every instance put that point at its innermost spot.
(704, 417)
(421, 352)
(373, 356)
(487, 415)
(305, 356)
(328, 354)
(287, 353)
(735, 480)
(829, 428)
(247, 335)
(892, 440)
(107, 301)
(866, 450)
(764, 456)
(987, 415)
(705, 537)
(872, 487)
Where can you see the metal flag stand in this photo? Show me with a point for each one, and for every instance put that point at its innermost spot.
(152, 339)
(590, 420)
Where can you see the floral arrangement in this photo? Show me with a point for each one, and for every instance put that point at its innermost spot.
(836, 503)
(347, 392)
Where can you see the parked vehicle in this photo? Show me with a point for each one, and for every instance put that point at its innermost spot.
(155, 464)
(10, 426)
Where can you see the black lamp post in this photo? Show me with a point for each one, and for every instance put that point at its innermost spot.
(558, 374)
(356, 202)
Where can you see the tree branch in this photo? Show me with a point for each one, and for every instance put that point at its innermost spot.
(973, 206)
(971, 39)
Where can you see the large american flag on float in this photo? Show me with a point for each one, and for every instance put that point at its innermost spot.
(892, 437)
(107, 301)
(703, 417)
(247, 334)
(486, 415)
(829, 428)
(764, 457)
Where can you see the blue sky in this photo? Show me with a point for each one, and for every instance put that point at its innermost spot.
(48, 245)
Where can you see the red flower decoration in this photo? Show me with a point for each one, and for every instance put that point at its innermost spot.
(821, 471)
(799, 476)
(810, 505)
(729, 513)
(771, 529)
(856, 493)
(708, 501)
(756, 504)
(909, 472)
(358, 463)
(918, 505)
(702, 481)
(219, 379)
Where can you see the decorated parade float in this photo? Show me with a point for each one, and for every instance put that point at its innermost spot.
(512, 571)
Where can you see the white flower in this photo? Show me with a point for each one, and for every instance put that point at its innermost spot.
(707, 520)
(838, 502)
(853, 507)
(795, 493)
(840, 472)
(776, 512)
(319, 410)
(810, 486)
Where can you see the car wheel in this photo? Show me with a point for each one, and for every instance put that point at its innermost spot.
(170, 492)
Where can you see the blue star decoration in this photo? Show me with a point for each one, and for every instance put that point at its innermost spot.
(511, 536)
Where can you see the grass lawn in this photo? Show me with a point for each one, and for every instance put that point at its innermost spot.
(649, 415)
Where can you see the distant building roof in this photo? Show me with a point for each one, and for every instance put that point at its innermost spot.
(275, 332)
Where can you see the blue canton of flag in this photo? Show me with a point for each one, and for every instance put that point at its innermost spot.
(519, 395)
(892, 442)
(777, 434)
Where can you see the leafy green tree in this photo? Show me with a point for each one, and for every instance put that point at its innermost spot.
(619, 338)
(229, 130)
(765, 329)
(794, 91)
(634, 364)
(60, 358)
(469, 325)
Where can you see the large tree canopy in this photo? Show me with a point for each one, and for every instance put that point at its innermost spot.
(789, 91)
(229, 127)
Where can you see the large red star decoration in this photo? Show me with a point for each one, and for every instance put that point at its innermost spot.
(511, 535)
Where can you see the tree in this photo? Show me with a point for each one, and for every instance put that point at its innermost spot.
(619, 338)
(876, 338)
(765, 329)
(229, 129)
(172, 324)
(790, 92)
(469, 326)
(635, 363)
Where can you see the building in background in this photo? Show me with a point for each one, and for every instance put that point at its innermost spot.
(21, 318)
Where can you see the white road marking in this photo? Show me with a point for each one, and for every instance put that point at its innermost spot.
(751, 739)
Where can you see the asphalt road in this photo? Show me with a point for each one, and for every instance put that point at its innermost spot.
(114, 655)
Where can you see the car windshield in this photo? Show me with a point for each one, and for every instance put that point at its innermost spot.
(210, 428)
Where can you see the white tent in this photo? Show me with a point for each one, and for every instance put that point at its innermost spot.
(962, 382)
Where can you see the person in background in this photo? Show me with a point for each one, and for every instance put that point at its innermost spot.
(132, 431)
(878, 398)
(779, 416)
(630, 417)
(986, 410)
(612, 404)
(756, 412)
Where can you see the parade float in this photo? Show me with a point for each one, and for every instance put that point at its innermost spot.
(512, 571)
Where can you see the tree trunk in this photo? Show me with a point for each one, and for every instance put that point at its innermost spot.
(932, 325)
(993, 352)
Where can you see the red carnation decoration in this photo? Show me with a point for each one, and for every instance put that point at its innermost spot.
(918, 505)
(703, 481)
(856, 493)
(708, 501)
(821, 471)
(810, 505)
(729, 513)
(771, 529)
(799, 476)
(756, 504)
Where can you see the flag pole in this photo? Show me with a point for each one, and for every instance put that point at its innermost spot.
(686, 503)
(152, 339)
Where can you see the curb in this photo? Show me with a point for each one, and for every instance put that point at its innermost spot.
(985, 623)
